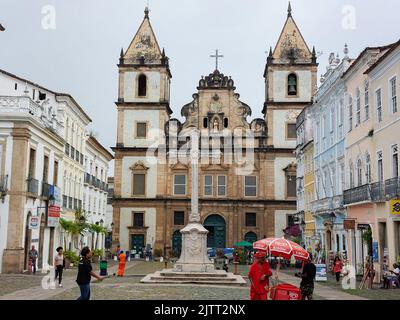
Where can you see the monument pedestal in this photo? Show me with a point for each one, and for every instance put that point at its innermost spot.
(194, 256)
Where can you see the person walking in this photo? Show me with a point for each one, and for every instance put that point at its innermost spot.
(307, 280)
(33, 255)
(59, 265)
(337, 267)
(85, 274)
(122, 263)
(259, 275)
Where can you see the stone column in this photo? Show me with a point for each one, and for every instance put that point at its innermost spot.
(13, 255)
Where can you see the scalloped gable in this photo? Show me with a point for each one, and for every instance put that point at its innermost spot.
(144, 43)
(291, 38)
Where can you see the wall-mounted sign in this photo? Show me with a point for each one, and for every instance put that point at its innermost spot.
(53, 216)
(375, 256)
(34, 223)
(395, 207)
(349, 224)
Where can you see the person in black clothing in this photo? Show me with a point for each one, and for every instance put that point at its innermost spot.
(85, 274)
(307, 280)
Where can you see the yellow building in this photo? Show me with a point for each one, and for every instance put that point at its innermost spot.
(384, 78)
(309, 190)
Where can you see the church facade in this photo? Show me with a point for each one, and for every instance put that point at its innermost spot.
(247, 169)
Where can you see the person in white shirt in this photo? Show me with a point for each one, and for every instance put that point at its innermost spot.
(59, 265)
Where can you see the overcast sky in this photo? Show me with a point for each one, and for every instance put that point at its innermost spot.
(80, 55)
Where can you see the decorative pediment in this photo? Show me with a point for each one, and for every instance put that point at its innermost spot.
(291, 168)
(214, 167)
(139, 166)
(179, 166)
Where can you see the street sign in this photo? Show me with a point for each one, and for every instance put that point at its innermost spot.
(53, 216)
(33, 223)
(395, 207)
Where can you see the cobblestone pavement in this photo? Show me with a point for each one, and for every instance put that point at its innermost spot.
(20, 287)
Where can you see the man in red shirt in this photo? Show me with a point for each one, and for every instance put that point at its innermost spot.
(259, 274)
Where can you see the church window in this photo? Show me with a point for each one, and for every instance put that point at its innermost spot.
(251, 219)
(139, 184)
(221, 185)
(291, 131)
(226, 122)
(16, 86)
(179, 218)
(142, 87)
(292, 85)
(250, 186)
(208, 185)
(180, 184)
(358, 114)
(290, 185)
(205, 122)
(141, 129)
(138, 219)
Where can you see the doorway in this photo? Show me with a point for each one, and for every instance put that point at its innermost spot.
(216, 226)
(177, 243)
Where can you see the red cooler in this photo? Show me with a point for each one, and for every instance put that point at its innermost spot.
(285, 292)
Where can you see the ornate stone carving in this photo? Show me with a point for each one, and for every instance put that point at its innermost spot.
(139, 166)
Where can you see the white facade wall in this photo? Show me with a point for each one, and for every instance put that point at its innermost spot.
(131, 86)
(127, 177)
(281, 221)
(279, 129)
(280, 177)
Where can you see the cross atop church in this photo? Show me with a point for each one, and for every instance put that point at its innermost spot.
(216, 56)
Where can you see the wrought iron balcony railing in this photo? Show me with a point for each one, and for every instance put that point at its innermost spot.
(392, 188)
(33, 186)
(87, 178)
(358, 194)
(3, 183)
(46, 189)
(378, 192)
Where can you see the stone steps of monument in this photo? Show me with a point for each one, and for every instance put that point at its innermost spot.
(197, 281)
(193, 274)
(176, 278)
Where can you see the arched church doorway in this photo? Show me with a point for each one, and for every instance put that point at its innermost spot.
(177, 243)
(250, 237)
(28, 240)
(216, 226)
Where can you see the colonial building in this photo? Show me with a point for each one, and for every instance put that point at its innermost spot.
(359, 157)
(384, 77)
(31, 152)
(246, 198)
(329, 158)
(95, 190)
(42, 147)
(305, 178)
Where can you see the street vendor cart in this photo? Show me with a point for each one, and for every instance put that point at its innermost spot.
(281, 247)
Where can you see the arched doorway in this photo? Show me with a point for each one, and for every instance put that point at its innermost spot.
(41, 241)
(250, 237)
(177, 243)
(28, 240)
(216, 226)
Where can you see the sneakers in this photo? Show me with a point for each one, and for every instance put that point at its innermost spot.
(60, 285)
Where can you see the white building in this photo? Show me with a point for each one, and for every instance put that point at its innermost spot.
(95, 191)
(42, 149)
(31, 152)
(329, 157)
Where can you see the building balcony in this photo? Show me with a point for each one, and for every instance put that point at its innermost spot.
(378, 192)
(327, 204)
(358, 194)
(3, 183)
(392, 188)
(46, 190)
(33, 187)
(87, 178)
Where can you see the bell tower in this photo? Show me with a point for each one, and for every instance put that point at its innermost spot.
(290, 83)
(144, 89)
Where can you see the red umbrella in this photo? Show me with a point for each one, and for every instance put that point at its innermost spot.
(281, 247)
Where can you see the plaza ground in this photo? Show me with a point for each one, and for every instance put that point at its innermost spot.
(26, 286)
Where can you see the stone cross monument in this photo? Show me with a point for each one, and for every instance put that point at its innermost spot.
(194, 256)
